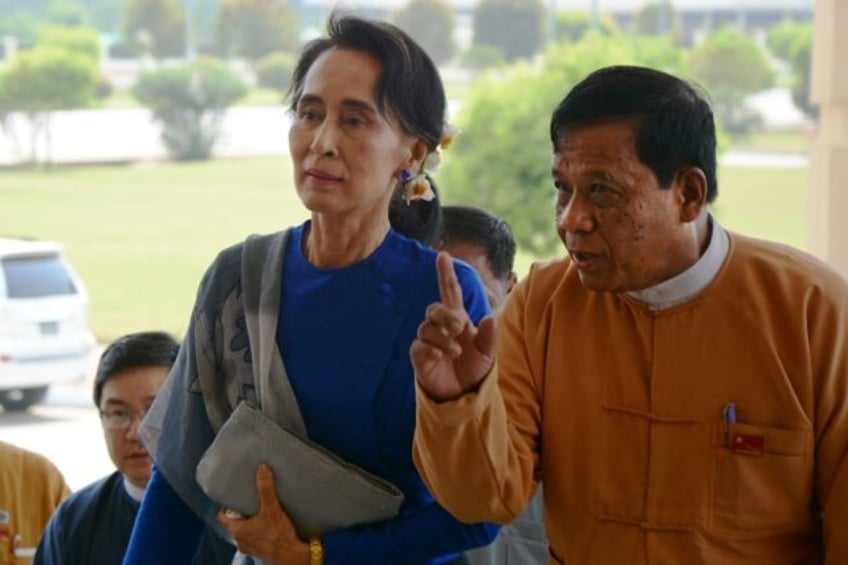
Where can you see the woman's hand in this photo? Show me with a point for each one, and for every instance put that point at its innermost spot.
(270, 534)
(451, 356)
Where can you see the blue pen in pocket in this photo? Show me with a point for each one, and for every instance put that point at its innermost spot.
(729, 418)
(730, 413)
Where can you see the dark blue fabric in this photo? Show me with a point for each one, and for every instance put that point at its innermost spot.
(92, 526)
(345, 336)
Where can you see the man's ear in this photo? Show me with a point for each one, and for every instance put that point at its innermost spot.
(511, 281)
(691, 184)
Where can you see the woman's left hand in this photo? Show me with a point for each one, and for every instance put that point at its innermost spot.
(270, 534)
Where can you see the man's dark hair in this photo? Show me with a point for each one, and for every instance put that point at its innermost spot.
(674, 123)
(142, 349)
(475, 226)
(409, 88)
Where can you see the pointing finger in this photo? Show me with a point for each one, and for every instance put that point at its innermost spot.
(449, 289)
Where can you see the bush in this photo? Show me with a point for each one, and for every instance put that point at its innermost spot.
(482, 57)
(800, 59)
(782, 36)
(731, 66)
(501, 161)
(103, 89)
(46, 78)
(75, 39)
(274, 71)
(190, 103)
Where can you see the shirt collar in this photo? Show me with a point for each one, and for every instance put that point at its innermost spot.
(693, 280)
(135, 492)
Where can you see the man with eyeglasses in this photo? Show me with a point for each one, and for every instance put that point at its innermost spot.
(94, 524)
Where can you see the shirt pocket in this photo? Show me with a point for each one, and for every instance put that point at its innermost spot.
(764, 488)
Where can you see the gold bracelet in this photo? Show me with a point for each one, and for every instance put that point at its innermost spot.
(316, 552)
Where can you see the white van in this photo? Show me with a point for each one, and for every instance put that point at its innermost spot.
(44, 336)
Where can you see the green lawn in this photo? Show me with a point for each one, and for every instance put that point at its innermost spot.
(776, 141)
(142, 235)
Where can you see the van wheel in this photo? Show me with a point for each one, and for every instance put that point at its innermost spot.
(21, 399)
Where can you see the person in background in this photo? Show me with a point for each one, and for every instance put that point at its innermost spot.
(94, 524)
(681, 390)
(485, 242)
(31, 487)
(345, 291)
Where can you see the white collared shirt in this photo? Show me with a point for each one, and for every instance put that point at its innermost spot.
(693, 280)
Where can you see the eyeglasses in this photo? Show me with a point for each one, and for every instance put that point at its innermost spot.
(120, 418)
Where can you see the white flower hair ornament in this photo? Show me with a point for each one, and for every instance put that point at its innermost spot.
(417, 187)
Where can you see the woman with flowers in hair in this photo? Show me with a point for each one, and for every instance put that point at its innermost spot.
(350, 287)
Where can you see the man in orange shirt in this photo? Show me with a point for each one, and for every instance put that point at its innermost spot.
(31, 487)
(681, 390)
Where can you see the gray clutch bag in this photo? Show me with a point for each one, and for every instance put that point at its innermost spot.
(319, 491)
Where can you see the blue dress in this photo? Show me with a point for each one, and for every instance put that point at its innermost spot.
(344, 335)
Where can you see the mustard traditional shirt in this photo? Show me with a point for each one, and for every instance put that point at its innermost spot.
(31, 488)
(621, 405)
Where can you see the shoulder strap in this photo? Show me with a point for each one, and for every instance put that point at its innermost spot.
(261, 277)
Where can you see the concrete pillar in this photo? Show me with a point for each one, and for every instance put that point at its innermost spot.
(829, 157)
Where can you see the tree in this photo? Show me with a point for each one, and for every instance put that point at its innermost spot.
(44, 79)
(20, 25)
(782, 36)
(508, 115)
(156, 26)
(731, 66)
(431, 24)
(68, 13)
(514, 26)
(253, 28)
(572, 25)
(190, 102)
(82, 40)
(274, 71)
(656, 18)
(106, 15)
(800, 59)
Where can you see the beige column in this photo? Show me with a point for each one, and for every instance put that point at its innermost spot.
(829, 156)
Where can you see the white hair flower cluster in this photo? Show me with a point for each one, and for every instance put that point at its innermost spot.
(418, 187)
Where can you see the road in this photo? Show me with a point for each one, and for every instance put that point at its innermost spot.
(66, 429)
(123, 135)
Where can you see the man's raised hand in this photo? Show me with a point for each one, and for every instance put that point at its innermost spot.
(451, 355)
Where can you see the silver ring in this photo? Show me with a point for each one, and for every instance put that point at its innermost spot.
(233, 514)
